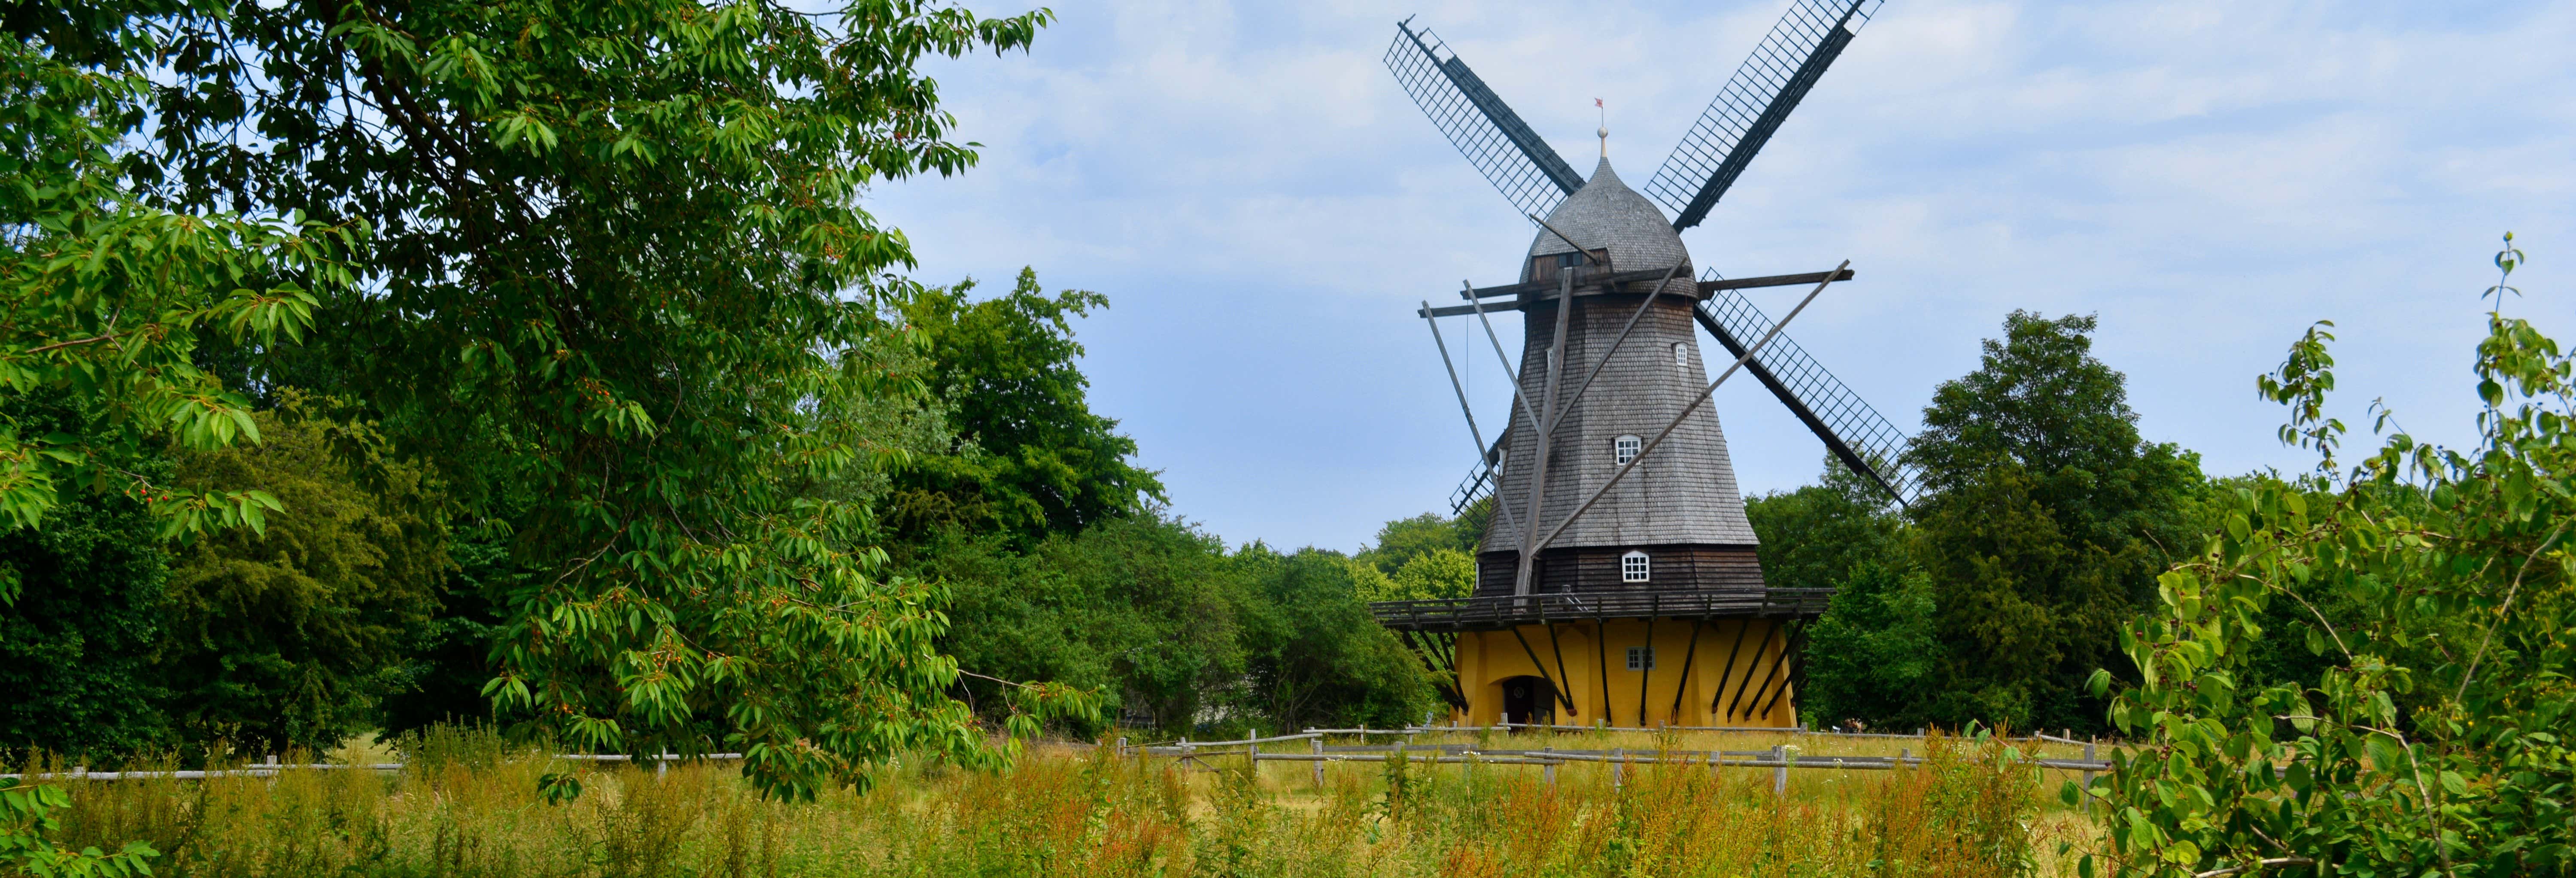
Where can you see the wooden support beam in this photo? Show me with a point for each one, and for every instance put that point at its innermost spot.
(1561, 696)
(1726, 673)
(1705, 287)
(1557, 645)
(1775, 280)
(1683, 685)
(1646, 670)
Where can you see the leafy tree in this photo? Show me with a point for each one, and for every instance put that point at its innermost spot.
(2437, 740)
(1144, 607)
(1875, 651)
(2045, 521)
(614, 264)
(76, 642)
(1437, 574)
(450, 659)
(107, 294)
(291, 635)
(1873, 654)
(1314, 655)
(1404, 539)
(1030, 455)
(1812, 537)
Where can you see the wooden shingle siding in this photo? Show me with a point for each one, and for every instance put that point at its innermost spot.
(1680, 504)
(1683, 492)
(1596, 569)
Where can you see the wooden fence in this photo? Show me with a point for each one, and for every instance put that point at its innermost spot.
(1780, 759)
(271, 767)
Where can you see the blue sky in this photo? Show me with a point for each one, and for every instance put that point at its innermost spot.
(1264, 206)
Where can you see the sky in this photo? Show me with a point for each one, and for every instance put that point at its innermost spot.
(1264, 208)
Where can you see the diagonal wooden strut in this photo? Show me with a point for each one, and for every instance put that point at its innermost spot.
(1682, 686)
(1727, 673)
(1687, 411)
(1562, 696)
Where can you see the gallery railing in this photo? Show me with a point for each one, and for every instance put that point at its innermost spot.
(1503, 610)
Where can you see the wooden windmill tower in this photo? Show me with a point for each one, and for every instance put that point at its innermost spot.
(1619, 580)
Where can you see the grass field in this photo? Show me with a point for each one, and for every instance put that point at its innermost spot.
(467, 806)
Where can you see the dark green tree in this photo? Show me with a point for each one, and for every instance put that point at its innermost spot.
(2044, 521)
(1314, 655)
(1872, 654)
(1142, 607)
(1812, 537)
(449, 662)
(1029, 454)
(1875, 652)
(292, 635)
(76, 640)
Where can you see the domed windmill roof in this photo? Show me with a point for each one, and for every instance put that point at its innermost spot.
(1605, 213)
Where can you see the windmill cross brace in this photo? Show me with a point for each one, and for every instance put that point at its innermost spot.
(1540, 289)
(1556, 417)
(1667, 432)
(1544, 429)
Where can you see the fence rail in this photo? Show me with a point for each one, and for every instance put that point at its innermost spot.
(1461, 753)
(1504, 611)
(1779, 759)
(272, 768)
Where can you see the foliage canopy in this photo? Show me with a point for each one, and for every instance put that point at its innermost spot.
(607, 259)
(2437, 738)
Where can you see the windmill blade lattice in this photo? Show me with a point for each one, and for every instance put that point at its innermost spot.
(1485, 130)
(1856, 433)
(1753, 104)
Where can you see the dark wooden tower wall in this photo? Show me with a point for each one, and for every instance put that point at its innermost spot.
(1681, 506)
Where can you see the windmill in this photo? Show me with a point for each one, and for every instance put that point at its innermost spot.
(1616, 511)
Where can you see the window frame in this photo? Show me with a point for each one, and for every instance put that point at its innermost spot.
(1641, 658)
(1642, 571)
(1626, 448)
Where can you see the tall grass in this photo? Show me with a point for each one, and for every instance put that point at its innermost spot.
(467, 805)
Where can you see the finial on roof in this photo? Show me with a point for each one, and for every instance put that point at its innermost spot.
(1605, 127)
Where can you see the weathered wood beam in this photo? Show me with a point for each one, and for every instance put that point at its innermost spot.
(1776, 280)
(1705, 287)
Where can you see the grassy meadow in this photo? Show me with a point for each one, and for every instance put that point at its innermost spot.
(466, 807)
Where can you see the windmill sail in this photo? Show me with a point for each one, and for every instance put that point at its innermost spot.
(1485, 130)
(1754, 103)
(1857, 434)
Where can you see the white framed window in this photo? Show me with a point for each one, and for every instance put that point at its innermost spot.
(1625, 449)
(1633, 567)
(1641, 658)
(1681, 357)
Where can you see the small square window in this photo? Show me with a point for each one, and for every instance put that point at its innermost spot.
(1641, 658)
(1632, 567)
(1625, 449)
(1681, 357)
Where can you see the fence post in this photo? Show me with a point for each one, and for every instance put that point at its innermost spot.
(1618, 766)
(1122, 746)
(662, 767)
(1318, 741)
(1780, 772)
(2088, 779)
(1550, 767)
